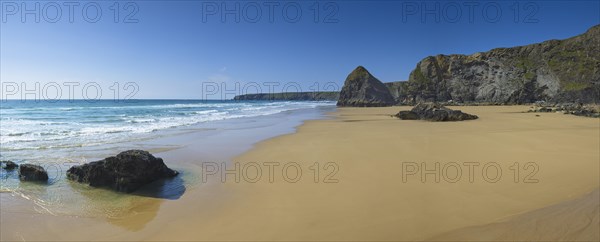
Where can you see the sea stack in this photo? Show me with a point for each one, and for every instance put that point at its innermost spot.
(361, 89)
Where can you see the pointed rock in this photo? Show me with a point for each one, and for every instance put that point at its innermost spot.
(361, 89)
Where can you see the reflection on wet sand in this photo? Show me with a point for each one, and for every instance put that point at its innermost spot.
(130, 211)
(140, 212)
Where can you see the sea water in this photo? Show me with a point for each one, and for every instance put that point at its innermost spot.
(57, 135)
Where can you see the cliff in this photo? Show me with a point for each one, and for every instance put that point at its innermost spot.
(290, 96)
(554, 71)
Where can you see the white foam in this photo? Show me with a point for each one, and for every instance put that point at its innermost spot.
(85, 126)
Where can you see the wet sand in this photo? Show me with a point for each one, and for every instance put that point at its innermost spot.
(359, 192)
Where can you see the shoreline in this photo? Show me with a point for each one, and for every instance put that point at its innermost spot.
(111, 211)
(369, 201)
(365, 204)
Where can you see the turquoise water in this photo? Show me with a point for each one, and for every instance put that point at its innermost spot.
(41, 126)
(183, 132)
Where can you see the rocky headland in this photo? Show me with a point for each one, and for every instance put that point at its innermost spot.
(290, 96)
(554, 72)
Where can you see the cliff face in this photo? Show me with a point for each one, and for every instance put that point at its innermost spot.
(361, 89)
(555, 70)
(290, 96)
(397, 89)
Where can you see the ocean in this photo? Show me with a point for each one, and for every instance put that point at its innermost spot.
(29, 128)
(58, 135)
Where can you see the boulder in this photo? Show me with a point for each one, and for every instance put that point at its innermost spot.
(578, 109)
(29, 172)
(408, 115)
(434, 112)
(126, 172)
(361, 89)
(9, 165)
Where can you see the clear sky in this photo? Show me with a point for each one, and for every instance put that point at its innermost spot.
(169, 48)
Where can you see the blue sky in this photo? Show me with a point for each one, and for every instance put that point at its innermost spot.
(176, 46)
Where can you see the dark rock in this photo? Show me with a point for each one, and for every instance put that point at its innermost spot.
(9, 165)
(361, 89)
(29, 172)
(398, 90)
(434, 112)
(126, 172)
(545, 110)
(407, 115)
(578, 109)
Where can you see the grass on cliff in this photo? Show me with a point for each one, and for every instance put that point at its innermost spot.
(574, 86)
(574, 69)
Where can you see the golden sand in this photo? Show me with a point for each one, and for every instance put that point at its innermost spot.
(548, 164)
(371, 201)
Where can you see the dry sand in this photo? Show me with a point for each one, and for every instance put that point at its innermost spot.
(574, 220)
(558, 156)
(371, 201)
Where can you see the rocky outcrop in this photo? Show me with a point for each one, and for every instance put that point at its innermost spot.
(290, 96)
(578, 109)
(126, 172)
(407, 115)
(555, 71)
(29, 172)
(9, 165)
(361, 89)
(434, 112)
(397, 89)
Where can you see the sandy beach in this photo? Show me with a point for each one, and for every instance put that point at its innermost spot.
(370, 185)
(300, 121)
(371, 201)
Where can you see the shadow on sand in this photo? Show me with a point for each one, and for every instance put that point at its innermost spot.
(168, 188)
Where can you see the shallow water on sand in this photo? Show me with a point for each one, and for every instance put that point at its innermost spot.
(183, 148)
